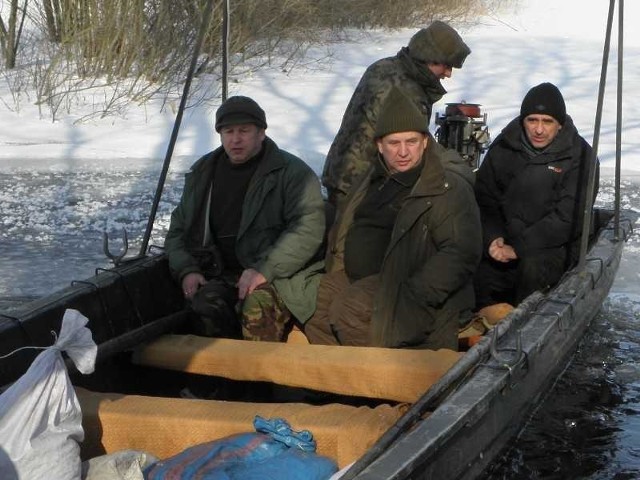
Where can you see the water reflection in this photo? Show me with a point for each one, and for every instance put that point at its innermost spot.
(589, 424)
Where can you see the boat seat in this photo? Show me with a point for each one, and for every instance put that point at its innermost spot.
(401, 375)
(166, 426)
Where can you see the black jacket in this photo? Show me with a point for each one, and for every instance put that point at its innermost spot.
(535, 203)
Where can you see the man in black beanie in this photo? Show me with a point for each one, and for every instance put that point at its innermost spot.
(402, 252)
(531, 190)
(417, 69)
(244, 239)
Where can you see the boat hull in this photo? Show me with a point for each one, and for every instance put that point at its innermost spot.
(461, 424)
(469, 429)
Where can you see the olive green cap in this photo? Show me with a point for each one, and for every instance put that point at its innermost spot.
(438, 43)
(400, 114)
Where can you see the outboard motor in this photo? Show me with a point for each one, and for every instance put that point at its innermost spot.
(464, 128)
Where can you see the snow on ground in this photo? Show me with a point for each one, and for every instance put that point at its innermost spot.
(62, 184)
(542, 41)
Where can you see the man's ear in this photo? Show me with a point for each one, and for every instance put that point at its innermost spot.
(379, 144)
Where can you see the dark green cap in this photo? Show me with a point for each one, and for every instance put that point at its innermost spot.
(238, 110)
(400, 114)
(438, 43)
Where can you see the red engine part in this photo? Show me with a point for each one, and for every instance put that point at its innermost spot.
(466, 109)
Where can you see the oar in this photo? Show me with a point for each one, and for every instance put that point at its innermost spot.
(134, 338)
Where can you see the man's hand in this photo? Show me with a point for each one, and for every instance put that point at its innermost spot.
(191, 283)
(249, 281)
(501, 252)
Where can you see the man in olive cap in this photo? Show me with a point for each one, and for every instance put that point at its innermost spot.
(402, 252)
(246, 233)
(532, 191)
(417, 69)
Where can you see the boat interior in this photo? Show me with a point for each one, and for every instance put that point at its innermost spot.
(160, 389)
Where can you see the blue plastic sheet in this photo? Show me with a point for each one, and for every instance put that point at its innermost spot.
(274, 452)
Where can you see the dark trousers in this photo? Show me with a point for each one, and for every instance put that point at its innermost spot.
(512, 282)
(343, 311)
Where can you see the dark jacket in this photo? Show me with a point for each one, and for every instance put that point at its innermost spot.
(350, 154)
(534, 203)
(426, 275)
(281, 228)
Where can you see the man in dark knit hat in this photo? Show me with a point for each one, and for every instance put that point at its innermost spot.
(244, 238)
(404, 247)
(417, 69)
(532, 191)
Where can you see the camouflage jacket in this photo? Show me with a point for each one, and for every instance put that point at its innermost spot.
(353, 147)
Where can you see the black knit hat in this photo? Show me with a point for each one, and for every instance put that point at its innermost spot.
(438, 43)
(238, 110)
(544, 99)
(399, 114)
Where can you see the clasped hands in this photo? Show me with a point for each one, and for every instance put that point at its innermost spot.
(501, 252)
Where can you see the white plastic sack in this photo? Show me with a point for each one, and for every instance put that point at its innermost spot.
(40, 416)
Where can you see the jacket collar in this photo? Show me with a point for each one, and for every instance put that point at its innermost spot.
(432, 179)
(513, 135)
(420, 73)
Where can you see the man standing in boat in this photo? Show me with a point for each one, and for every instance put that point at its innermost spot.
(531, 189)
(244, 238)
(404, 247)
(417, 69)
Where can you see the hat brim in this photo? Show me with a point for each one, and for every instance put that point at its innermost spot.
(239, 118)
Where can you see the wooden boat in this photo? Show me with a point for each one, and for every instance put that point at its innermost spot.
(379, 413)
(395, 413)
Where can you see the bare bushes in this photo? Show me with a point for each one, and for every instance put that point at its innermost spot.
(400, 13)
(103, 54)
(135, 50)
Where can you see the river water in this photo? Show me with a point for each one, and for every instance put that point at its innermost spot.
(588, 426)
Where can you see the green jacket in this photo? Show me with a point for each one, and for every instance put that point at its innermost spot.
(352, 149)
(426, 275)
(281, 229)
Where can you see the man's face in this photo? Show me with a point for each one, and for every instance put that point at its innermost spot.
(541, 129)
(403, 150)
(241, 142)
(441, 70)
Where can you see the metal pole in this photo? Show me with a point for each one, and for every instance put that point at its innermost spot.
(586, 222)
(225, 49)
(176, 126)
(619, 118)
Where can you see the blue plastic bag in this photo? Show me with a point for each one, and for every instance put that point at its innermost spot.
(275, 452)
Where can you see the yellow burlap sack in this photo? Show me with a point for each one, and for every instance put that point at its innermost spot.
(401, 375)
(166, 426)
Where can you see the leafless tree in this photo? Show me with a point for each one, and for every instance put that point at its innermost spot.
(11, 31)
